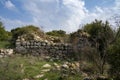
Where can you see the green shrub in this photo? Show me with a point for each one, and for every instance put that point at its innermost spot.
(5, 44)
(20, 67)
(58, 33)
(114, 59)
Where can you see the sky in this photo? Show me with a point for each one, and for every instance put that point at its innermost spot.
(67, 15)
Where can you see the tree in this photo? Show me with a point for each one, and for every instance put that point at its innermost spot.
(3, 33)
(101, 35)
(114, 52)
(114, 59)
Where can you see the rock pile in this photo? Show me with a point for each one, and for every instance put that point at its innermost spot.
(6, 52)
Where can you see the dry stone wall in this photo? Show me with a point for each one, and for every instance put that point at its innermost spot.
(44, 48)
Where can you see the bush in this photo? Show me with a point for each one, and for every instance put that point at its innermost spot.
(19, 67)
(114, 59)
(4, 35)
(5, 44)
(28, 31)
(58, 33)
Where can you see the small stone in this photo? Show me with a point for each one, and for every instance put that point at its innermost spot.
(46, 79)
(84, 74)
(10, 52)
(102, 78)
(26, 79)
(55, 64)
(45, 70)
(2, 53)
(47, 57)
(74, 66)
(47, 66)
(87, 78)
(65, 66)
(39, 76)
(1, 56)
(77, 64)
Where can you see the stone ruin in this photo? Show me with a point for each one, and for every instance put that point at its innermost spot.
(48, 48)
(44, 48)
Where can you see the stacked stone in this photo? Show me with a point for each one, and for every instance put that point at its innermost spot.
(60, 51)
(56, 50)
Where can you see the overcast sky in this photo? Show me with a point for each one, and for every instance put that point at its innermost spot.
(56, 14)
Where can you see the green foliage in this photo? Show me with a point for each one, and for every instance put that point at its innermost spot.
(99, 29)
(114, 59)
(4, 35)
(101, 35)
(29, 31)
(19, 67)
(9, 69)
(24, 30)
(5, 44)
(58, 33)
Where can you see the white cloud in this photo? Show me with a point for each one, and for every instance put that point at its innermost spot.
(117, 2)
(11, 24)
(61, 14)
(56, 14)
(9, 5)
(78, 12)
(46, 0)
(98, 13)
(117, 6)
(66, 14)
(104, 13)
(99, 9)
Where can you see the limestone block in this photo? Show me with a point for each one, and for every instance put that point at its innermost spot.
(27, 43)
(46, 66)
(27, 47)
(18, 43)
(1, 56)
(35, 46)
(1, 53)
(39, 76)
(38, 43)
(55, 47)
(21, 49)
(52, 50)
(48, 47)
(31, 44)
(9, 51)
(64, 52)
(65, 66)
